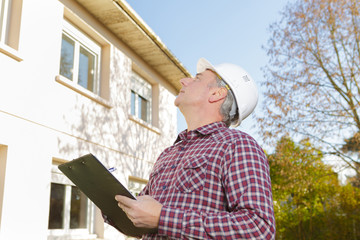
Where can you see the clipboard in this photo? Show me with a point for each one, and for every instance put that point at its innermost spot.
(100, 186)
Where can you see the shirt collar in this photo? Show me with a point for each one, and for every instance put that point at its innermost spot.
(203, 130)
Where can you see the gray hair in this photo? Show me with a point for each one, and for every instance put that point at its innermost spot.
(227, 104)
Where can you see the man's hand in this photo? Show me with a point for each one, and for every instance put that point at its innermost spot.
(143, 212)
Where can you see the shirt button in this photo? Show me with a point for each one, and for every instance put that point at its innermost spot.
(182, 148)
(173, 166)
(164, 187)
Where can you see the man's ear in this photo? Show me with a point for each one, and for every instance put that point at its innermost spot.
(218, 95)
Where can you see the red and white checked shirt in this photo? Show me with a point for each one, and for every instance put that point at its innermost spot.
(214, 183)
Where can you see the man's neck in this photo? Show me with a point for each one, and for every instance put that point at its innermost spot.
(197, 120)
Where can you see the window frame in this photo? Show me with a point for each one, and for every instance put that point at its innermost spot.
(141, 89)
(3, 162)
(10, 21)
(136, 184)
(5, 12)
(81, 39)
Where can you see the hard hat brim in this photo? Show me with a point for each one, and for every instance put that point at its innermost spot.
(204, 64)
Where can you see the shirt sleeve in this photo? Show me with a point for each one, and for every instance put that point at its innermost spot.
(249, 214)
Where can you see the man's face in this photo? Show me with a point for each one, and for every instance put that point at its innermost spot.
(195, 91)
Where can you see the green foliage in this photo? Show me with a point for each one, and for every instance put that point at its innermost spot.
(309, 202)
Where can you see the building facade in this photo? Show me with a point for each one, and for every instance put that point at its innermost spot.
(77, 77)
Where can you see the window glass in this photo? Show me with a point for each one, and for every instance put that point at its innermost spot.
(67, 57)
(80, 58)
(143, 111)
(2, 3)
(141, 86)
(57, 200)
(133, 102)
(141, 96)
(5, 6)
(86, 69)
(78, 210)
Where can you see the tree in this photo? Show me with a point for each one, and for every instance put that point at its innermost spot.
(312, 78)
(352, 145)
(309, 202)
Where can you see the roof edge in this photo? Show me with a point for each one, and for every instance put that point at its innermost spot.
(150, 33)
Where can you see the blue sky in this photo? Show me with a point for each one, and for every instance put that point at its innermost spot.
(220, 30)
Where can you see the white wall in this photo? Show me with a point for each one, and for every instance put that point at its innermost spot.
(41, 120)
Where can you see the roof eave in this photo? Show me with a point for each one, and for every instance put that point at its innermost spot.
(124, 22)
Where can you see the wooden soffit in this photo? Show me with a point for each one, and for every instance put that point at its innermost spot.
(123, 21)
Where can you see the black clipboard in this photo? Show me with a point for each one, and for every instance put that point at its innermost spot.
(100, 186)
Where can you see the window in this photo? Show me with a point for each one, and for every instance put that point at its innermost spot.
(70, 211)
(80, 58)
(60, 217)
(10, 19)
(136, 184)
(141, 96)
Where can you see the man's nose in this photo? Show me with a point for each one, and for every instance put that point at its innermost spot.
(185, 81)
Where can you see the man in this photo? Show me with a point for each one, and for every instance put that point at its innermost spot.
(214, 182)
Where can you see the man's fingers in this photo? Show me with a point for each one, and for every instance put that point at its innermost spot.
(124, 201)
(121, 206)
(143, 212)
(126, 204)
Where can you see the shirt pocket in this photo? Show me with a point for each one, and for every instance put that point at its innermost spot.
(191, 176)
(156, 177)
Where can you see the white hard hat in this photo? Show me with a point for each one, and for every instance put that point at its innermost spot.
(240, 83)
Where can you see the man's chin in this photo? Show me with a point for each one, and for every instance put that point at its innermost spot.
(176, 102)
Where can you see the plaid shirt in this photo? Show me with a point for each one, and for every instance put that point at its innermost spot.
(214, 183)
